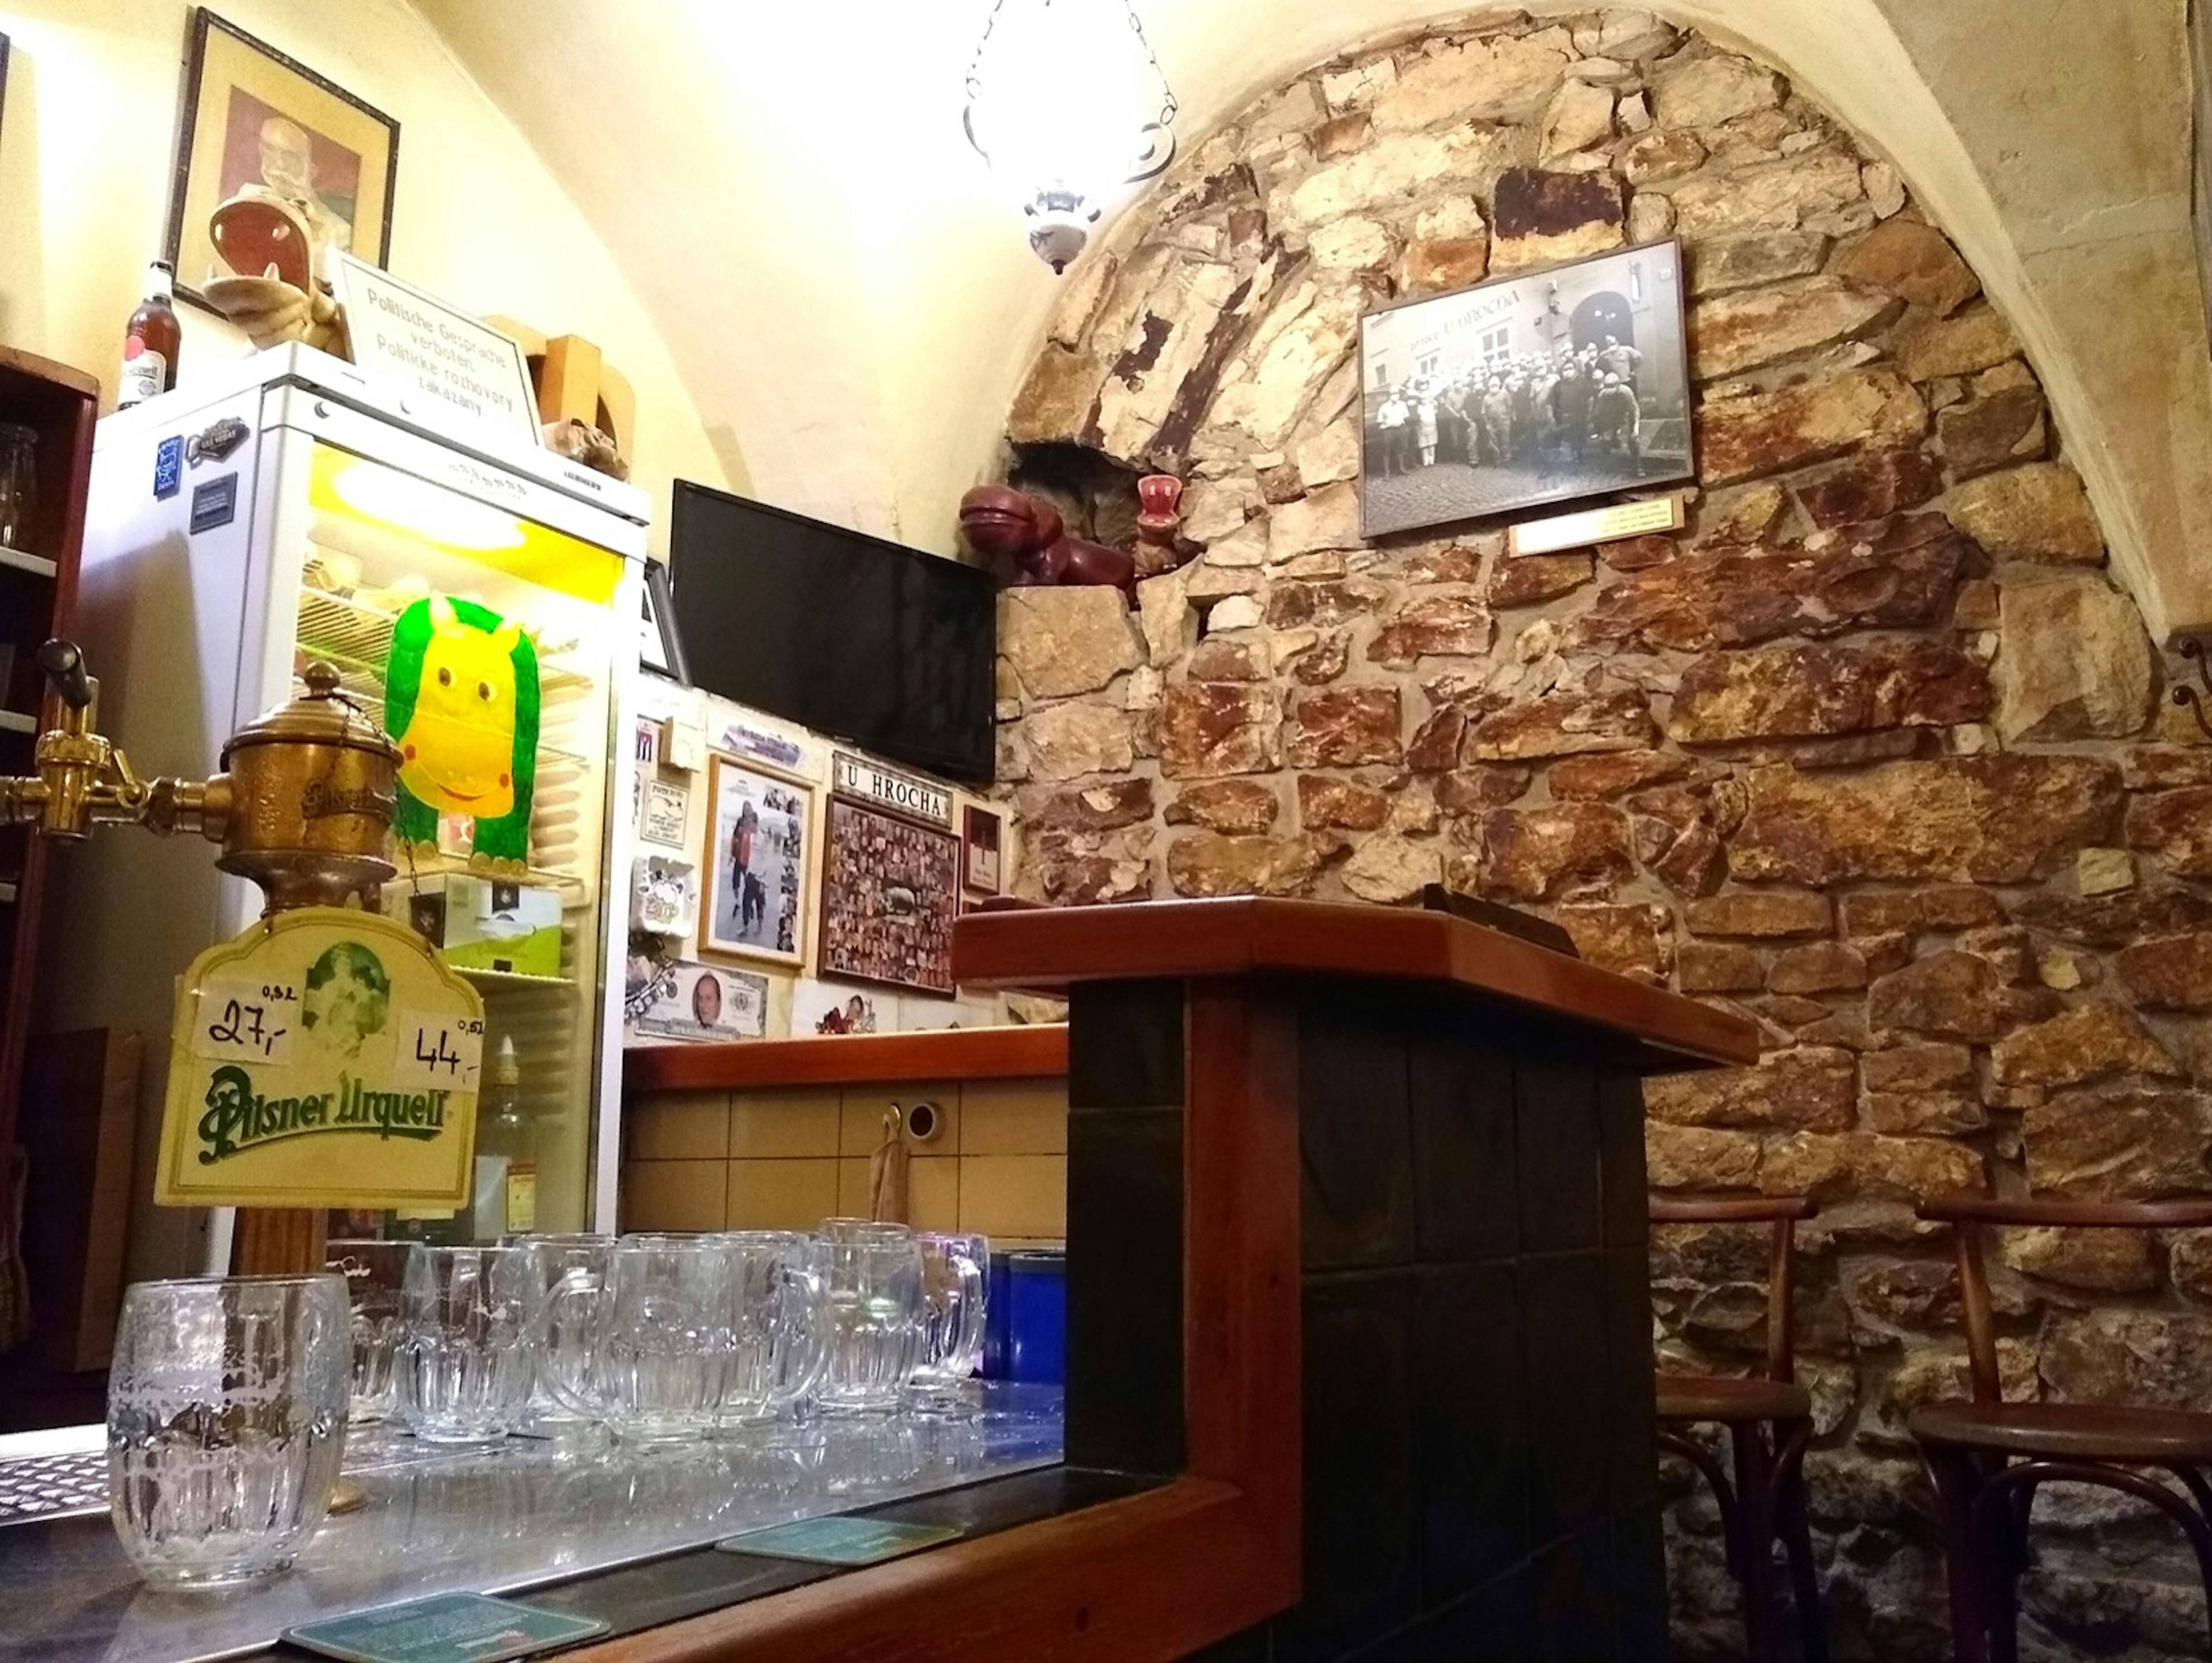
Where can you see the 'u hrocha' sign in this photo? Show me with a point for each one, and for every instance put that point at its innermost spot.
(901, 793)
(324, 1058)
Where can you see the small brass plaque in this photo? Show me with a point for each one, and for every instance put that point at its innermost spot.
(1580, 530)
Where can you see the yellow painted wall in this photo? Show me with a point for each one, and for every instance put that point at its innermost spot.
(94, 92)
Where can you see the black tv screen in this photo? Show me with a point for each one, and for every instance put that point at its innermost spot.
(889, 648)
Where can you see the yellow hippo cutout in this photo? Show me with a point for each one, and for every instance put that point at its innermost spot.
(461, 702)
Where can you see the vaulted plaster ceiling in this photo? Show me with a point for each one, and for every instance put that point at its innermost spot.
(853, 303)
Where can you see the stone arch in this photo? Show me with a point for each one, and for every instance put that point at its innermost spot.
(1874, 749)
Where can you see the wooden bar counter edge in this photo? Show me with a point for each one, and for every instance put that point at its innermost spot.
(1217, 1549)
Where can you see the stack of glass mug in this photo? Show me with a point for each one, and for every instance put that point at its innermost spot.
(660, 1337)
(230, 1396)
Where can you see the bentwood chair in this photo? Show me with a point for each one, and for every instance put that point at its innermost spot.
(1769, 1420)
(1987, 1457)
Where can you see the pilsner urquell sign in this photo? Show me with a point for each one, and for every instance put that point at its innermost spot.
(324, 1058)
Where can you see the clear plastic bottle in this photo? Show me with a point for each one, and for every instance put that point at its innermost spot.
(503, 1130)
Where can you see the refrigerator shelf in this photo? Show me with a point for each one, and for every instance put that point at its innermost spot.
(510, 981)
(357, 629)
(575, 891)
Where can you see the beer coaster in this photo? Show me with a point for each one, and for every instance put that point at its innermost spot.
(840, 1541)
(446, 1628)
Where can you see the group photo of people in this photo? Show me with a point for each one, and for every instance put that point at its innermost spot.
(1525, 391)
(890, 889)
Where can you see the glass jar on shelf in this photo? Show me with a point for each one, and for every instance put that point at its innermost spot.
(19, 485)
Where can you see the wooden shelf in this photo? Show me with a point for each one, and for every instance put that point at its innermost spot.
(37, 565)
(954, 1054)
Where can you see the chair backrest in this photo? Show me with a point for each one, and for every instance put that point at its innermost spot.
(1782, 1213)
(1969, 1214)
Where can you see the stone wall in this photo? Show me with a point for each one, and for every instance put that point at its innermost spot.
(1874, 752)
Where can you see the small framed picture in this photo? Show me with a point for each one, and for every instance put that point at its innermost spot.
(660, 649)
(257, 123)
(824, 1008)
(664, 812)
(758, 827)
(982, 836)
(890, 889)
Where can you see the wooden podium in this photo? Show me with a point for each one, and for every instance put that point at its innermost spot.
(1356, 1235)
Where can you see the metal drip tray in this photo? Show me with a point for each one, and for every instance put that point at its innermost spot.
(49, 1486)
(49, 1475)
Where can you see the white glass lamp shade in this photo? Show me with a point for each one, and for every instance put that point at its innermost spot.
(1065, 103)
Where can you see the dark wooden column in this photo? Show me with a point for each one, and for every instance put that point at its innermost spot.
(1356, 1223)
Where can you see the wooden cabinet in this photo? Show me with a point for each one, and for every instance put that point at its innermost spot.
(38, 597)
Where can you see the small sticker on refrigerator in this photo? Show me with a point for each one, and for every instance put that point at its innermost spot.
(214, 503)
(168, 466)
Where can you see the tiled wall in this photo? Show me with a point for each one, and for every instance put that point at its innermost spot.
(787, 1159)
(1480, 1475)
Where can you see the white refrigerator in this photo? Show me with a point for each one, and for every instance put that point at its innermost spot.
(290, 508)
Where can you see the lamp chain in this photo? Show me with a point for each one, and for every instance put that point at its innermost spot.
(1168, 107)
(975, 64)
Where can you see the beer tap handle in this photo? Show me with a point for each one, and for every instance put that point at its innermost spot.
(64, 664)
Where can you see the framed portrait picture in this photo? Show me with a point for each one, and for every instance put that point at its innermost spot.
(259, 123)
(890, 889)
(1545, 386)
(758, 829)
(982, 835)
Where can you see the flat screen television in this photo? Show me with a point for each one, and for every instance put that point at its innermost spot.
(889, 649)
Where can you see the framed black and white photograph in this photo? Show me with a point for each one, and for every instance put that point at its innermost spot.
(757, 830)
(1546, 387)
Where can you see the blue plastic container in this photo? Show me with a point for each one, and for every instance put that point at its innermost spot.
(1025, 1321)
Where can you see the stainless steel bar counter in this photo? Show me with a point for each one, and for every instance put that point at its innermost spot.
(522, 1515)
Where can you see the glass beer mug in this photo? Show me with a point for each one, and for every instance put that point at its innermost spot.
(780, 1341)
(468, 1344)
(873, 1276)
(226, 1424)
(656, 1337)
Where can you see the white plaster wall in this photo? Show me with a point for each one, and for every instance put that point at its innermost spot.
(94, 92)
(789, 189)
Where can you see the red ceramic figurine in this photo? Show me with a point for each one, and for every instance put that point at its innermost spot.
(1159, 516)
(998, 520)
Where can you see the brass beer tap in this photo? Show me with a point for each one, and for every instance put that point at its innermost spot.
(303, 807)
(83, 780)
